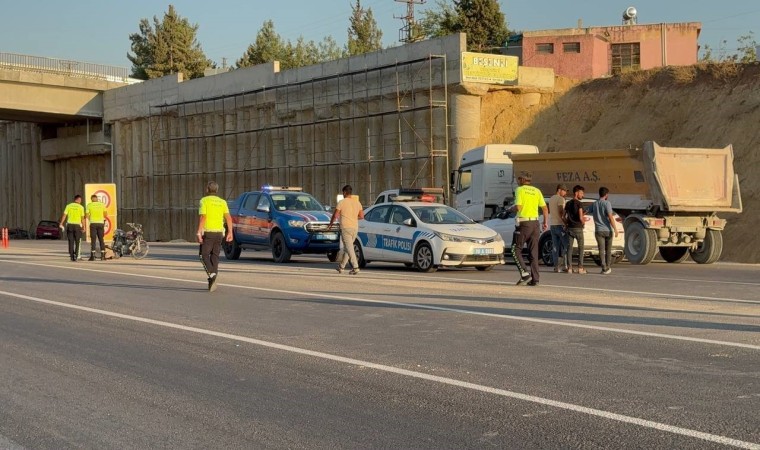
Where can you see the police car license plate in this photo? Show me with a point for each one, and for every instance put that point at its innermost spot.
(326, 236)
(483, 251)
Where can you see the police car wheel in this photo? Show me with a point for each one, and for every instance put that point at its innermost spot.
(332, 256)
(280, 251)
(359, 255)
(423, 258)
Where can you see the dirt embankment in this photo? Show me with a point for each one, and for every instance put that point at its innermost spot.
(696, 106)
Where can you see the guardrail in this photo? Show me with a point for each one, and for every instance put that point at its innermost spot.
(68, 67)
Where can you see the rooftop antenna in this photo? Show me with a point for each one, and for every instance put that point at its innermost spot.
(629, 16)
(408, 33)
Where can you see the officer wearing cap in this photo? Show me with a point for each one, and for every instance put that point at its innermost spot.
(73, 216)
(96, 216)
(527, 201)
(213, 213)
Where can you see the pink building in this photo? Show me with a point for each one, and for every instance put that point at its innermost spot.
(584, 53)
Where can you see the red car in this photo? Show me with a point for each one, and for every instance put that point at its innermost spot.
(48, 229)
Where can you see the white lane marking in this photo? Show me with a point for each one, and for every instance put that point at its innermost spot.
(425, 307)
(576, 288)
(409, 373)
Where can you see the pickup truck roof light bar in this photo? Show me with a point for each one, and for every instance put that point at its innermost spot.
(267, 188)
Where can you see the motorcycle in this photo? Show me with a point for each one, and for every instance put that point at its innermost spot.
(130, 242)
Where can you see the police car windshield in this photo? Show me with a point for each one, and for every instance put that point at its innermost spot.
(295, 201)
(440, 215)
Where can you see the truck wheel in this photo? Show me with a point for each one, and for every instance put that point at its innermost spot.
(332, 256)
(640, 244)
(710, 249)
(545, 247)
(484, 268)
(280, 251)
(231, 250)
(674, 254)
(423, 258)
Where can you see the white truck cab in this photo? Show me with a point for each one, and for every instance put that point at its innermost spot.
(484, 179)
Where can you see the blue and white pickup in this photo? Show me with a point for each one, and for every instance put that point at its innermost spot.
(284, 219)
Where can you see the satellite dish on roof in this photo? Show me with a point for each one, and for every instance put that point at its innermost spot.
(629, 16)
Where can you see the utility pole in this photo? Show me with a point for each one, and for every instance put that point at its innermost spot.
(407, 33)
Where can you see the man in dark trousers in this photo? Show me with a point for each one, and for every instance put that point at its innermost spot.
(96, 216)
(575, 220)
(213, 213)
(605, 227)
(527, 230)
(73, 216)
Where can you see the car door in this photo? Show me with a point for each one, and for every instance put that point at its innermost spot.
(398, 237)
(371, 230)
(245, 218)
(262, 221)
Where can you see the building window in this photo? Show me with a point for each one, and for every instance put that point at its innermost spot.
(571, 47)
(545, 48)
(625, 58)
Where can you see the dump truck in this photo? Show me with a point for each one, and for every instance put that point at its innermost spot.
(669, 197)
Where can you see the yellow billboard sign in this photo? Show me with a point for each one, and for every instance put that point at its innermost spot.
(487, 68)
(106, 193)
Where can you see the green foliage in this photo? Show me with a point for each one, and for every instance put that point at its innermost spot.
(439, 21)
(364, 36)
(270, 46)
(482, 20)
(169, 46)
(747, 49)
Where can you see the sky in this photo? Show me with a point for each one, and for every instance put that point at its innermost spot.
(98, 31)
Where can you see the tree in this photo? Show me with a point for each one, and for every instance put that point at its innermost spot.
(364, 36)
(169, 46)
(268, 46)
(439, 22)
(329, 50)
(482, 20)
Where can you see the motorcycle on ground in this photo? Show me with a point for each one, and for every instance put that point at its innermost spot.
(130, 242)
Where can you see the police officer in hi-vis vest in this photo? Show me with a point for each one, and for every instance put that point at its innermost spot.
(73, 216)
(96, 216)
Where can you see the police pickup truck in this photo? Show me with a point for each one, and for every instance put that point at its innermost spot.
(285, 220)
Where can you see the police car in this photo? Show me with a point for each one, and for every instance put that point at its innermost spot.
(282, 219)
(425, 236)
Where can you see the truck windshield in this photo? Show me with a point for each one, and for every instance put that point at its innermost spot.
(465, 181)
(296, 201)
(440, 214)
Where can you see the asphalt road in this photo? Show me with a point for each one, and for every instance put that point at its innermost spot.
(137, 354)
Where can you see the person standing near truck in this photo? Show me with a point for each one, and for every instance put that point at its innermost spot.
(575, 220)
(557, 227)
(73, 216)
(604, 223)
(212, 215)
(349, 211)
(527, 201)
(96, 215)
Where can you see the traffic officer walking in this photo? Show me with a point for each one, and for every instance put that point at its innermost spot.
(527, 201)
(73, 216)
(96, 216)
(213, 213)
